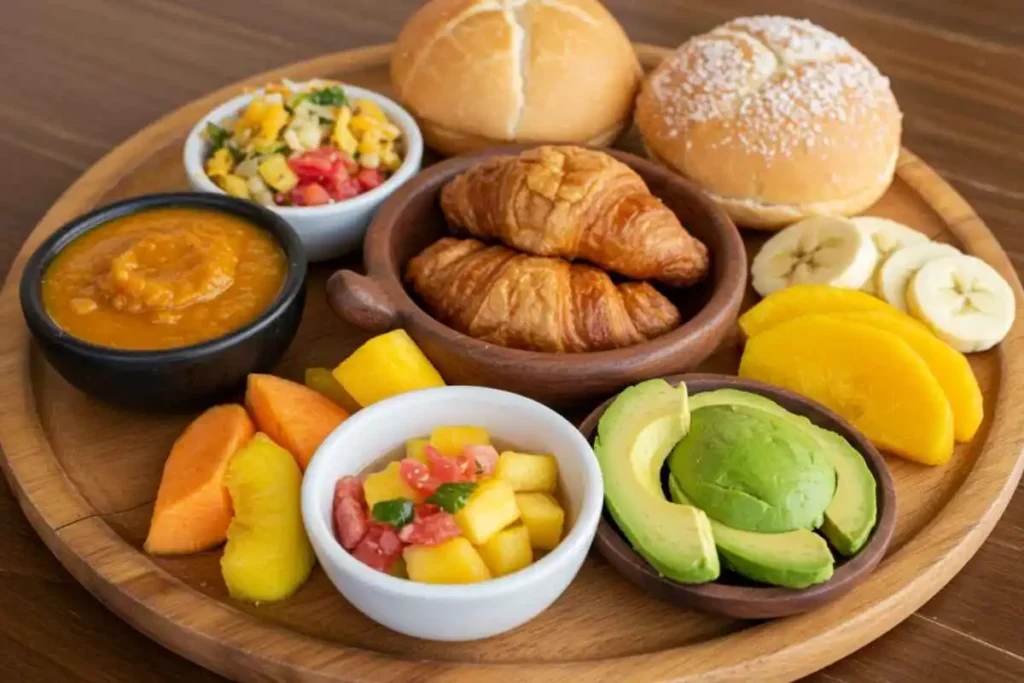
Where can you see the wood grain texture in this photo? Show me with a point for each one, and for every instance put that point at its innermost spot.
(116, 65)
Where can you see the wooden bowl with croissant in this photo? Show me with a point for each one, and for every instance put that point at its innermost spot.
(560, 273)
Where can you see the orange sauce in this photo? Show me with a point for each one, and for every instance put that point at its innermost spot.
(163, 278)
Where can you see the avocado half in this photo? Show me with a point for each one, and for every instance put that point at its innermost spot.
(853, 511)
(634, 437)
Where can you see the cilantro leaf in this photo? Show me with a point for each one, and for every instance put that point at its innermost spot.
(215, 135)
(397, 512)
(452, 497)
(333, 96)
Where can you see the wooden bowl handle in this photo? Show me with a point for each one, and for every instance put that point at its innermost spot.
(360, 301)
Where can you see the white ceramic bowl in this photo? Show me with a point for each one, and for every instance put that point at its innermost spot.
(454, 612)
(330, 230)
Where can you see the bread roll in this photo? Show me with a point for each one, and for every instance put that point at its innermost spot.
(477, 73)
(778, 119)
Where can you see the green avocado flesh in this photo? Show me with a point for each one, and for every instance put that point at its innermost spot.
(792, 559)
(851, 515)
(753, 470)
(634, 437)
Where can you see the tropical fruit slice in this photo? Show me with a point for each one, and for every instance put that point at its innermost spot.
(869, 376)
(267, 556)
(384, 366)
(292, 415)
(192, 509)
(889, 237)
(950, 367)
(799, 300)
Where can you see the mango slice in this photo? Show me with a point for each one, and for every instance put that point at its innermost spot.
(386, 365)
(450, 441)
(869, 376)
(267, 556)
(799, 300)
(454, 561)
(950, 367)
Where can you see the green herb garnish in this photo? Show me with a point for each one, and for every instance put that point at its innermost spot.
(452, 497)
(397, 512)
(215, 135)
(333, 96)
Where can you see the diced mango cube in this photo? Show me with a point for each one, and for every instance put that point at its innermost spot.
(454, 561)
(389, 158)
(370, 142)
(388, 485)
(234, 185)
(369, 108)
(507, 551)
(528, 472)
(277, 174)
(417, 449)
(451, 440)
(386, 365)
(322, 381)
(274, 119)
(254, 113)
(490, 508)
(543, 518)
(342, 136)
(221, 163)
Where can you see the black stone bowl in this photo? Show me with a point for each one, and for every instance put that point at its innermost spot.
(177, 379)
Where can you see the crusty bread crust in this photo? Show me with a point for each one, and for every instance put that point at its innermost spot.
(476, 73)
(776, 118)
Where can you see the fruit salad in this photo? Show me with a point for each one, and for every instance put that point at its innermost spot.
(303, 144)
(453, 510)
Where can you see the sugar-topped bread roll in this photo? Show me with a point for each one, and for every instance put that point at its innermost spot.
(778, 119)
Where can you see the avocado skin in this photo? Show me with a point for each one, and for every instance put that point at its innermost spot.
(853, 512)
(753, 470)
(634, 436)
(793, 559)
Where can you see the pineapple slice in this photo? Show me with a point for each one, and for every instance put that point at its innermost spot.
(233, 185)
(450, 441)
(528, 472)
(220, 164)
(543, 518)
(490, 508)
(508, 551)
(417, 449)
(388, 485)
(454, 561)
(386, 365)
(276, 173)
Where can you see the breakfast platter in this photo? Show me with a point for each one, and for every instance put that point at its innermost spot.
(86, 473)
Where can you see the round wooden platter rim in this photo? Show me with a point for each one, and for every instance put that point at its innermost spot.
(229, 641)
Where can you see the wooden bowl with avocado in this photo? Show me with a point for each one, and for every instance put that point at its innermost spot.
(736, 497)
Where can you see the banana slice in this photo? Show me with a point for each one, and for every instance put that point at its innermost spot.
(964, 301)
(894, 275)
(888, 236)
(821, 250)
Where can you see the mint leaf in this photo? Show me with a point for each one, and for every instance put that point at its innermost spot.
(397, 512)
(452, 497)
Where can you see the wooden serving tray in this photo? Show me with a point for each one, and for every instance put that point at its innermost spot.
(86, 476)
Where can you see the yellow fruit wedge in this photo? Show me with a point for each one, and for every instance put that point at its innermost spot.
(799, 300)
(454, 561)
(950, 367)
(386, 365)
(869, 376)
(267, 556)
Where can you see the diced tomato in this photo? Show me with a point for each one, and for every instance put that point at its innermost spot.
(343, 187)
(370, 178)
(379, 548)
(350, 486)
(350, 522)
(430, 530)
(351, 165)
(416, 475)
(425, 510)
(310, 194)
(483, 457)
(448, 470)
(311, 166)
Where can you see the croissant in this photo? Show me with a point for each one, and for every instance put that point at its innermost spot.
(536, 303)
(575, 203)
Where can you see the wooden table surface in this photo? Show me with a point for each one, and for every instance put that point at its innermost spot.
(77, 77)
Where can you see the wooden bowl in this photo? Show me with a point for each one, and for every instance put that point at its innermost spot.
(412, 219)
(732, 595)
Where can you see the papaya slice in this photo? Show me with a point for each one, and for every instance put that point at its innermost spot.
(869, 376)
(292, 415)
(193, 509)
(799, 300)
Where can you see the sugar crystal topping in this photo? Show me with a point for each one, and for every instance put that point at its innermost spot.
(771, 82)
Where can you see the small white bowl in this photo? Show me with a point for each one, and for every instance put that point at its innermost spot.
(454, 612)
(330, 230)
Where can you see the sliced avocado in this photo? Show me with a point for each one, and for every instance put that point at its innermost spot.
(634, 436)
(851, 516)
(793, 559)
(753, 470)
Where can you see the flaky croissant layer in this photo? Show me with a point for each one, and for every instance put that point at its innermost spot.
(498, 295)
(575, 203)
